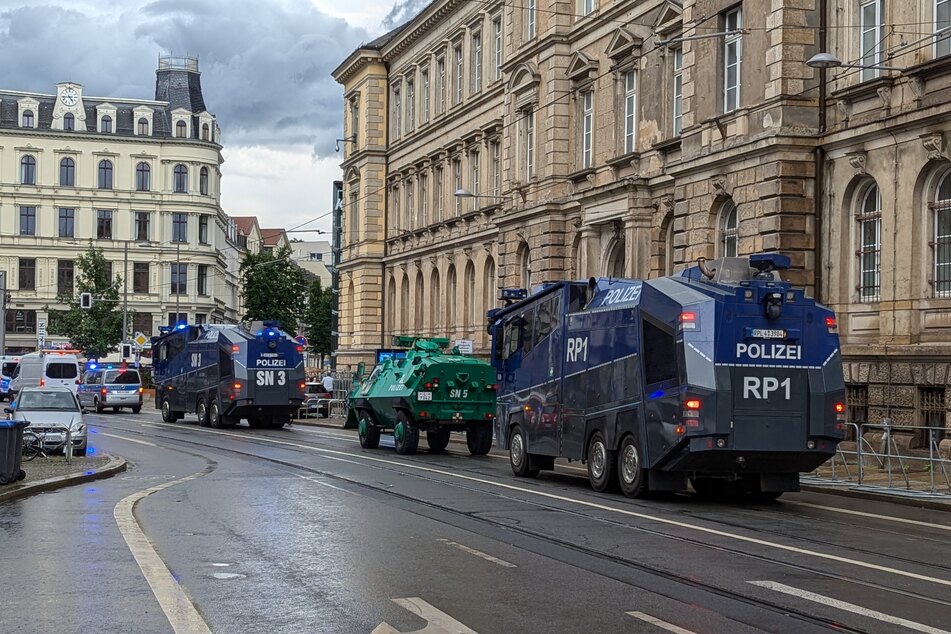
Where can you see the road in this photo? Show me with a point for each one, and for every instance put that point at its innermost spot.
(300, 530)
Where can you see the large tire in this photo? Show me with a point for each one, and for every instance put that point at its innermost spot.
(279, 420)
(602, 472)
(405, 434)
(630, 468)
(518, 455)
(369, 433)
(201, 410)
(214, 415)
(137, 409)
(255, 423)
(100, 408)
(115, 409)
(438, 439)
(167, 414)
(479, 438)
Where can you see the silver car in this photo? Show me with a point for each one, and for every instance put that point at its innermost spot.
(51, 411)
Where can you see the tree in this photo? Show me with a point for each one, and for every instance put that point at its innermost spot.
(274, 288)
(97, 330)
(318, 321)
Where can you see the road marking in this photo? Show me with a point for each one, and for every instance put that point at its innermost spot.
(438, 621)
(139, 442)
(876, 516)
(664, 625)
(181, 613)
(477, 553)
(326, 484)
(333, 453)
(848, 607)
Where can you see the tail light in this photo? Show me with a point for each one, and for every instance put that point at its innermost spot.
(428, 386)
(491, 387)
(691, 413)
(423, 414)
(42, 382)
(103, 391)
(302, 386)
(688, 320)
(235, 348)
(839, 416)
(237, 387)
(141, 390)
(489, 416)
(832, 325)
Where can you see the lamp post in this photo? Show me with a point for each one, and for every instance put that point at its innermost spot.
(462, 192)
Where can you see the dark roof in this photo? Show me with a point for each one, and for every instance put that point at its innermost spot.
(384, 39)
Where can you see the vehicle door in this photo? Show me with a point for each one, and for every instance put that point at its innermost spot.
(88, 388)
(543, 362)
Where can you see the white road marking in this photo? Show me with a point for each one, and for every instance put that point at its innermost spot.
(332, 454)
(477, 553)
(876, 516)
(848, 607)
(664, 625)
(438, 621)
(153, 426)
(326, 484)
(138, 442)
(178, 608)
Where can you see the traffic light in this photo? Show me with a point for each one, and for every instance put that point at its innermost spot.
(126, 350)
(85, 301)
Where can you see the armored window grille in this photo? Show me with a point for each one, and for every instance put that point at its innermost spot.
(870, 245)
(728, 230)
(942, 27)
(67, 172)
(932, 412)
(942, 239)
(871, 27)
(732, 59)
(856, 399)
(678, 88)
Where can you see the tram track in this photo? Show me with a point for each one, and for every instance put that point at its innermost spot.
(541, 537)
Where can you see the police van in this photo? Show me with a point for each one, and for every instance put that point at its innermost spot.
(47, 368)
(108, 386)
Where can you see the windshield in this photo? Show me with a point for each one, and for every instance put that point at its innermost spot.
(59, 370)
(63, 401)
(120, 377)
(8, 368)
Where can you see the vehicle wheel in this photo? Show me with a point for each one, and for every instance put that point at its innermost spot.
(518, 455)
(201, 410)
(479, 438)
(99, 407)
(630, 469)
(136, 409)
(438, 439)
(255, 423)
(167, 414)
(369, 433)
(214, 415)
(405, 435)
(21, 474)
(601, 467)
(115, 410)
(278, 421)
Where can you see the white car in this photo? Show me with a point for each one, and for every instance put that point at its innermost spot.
(51, 411)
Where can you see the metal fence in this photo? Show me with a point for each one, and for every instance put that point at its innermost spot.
(343, 383)
(903, 460)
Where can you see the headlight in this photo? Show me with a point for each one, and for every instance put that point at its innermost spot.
(77, 428)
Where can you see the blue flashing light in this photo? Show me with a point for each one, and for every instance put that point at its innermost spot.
(93, 366)
(657, 394)
(260, 332)
(270, 333)
(181, 326)
(89, 472)
(109, 367)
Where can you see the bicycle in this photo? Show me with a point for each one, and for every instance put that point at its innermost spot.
(35, 446)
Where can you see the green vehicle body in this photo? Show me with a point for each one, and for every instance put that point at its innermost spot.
(432, 390)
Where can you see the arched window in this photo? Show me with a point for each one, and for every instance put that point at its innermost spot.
(28, 170)
(181, 179)
(942, 238)
(470, 306)
(451, 299)
(669, 248)
(205, 132)
(143, 177)
(615, 265)
(869, 250)
(67, 172)
(490, 285)
(105, 124)
(728, 230)
(27, 119)
(203, 181)
(143, 126)
(404, 306)
(105, 174)
(525, 266)
(69, 121)
(419, 308)
(435, 302)
(391, 306)
(180, 129)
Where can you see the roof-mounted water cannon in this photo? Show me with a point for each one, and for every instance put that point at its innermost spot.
(766, 263)
(512, 295)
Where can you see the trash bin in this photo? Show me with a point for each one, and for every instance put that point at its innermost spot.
(11, 448)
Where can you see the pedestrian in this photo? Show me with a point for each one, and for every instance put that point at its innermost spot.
(328, 382)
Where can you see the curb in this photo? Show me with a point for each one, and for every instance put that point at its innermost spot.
(114, 466)
(904, 500)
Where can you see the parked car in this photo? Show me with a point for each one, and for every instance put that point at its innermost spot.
(46, 369)
(7, 366)
(316, 400)
(51, 411)
(111, 387)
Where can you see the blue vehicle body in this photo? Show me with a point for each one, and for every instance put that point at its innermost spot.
(225, 373)
(727, 377)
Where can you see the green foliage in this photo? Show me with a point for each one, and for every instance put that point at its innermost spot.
(318, 320)
(273, 288)
(98, 330)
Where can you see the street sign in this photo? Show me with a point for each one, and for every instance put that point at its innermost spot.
(140, 339)
(465, 345)
(40, 334)
(301, 339)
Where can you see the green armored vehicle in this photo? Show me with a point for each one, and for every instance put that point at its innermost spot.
(431, 390)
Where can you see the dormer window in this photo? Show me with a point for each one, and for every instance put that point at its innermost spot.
(105, 125)
(27, 119)
(205, 132)
(69, 122)
(143, 126)
(180, 129)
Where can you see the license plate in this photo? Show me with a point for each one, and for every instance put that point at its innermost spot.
(424, 396)
(54, 437)
(768, 334)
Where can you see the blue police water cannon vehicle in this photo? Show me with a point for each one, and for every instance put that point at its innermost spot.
(225, 373)
(722, 375)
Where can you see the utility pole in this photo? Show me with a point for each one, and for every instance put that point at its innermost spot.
(125, 292)
(335, 250)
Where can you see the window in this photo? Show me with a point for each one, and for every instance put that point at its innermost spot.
(181, 129)
(397, 113)
(21, 321)
(27, 119)
(457, 183)
(497, 46)
(315, 256)
(69, 122)
(475, 186)
(871, 37)
(424, 88)
(203, 181)
(205, 134)
(870, 244)
(732, 59)
(496, 151)
(175, 319)
(942, 20)
(104, 224)
(587, 6)
(931, 408)
(143, 126)
(203, 229)
(942, 239)
(27, 275)
(202, 318)
(105, 174)
(27, 221)
(410, 105)
(202, 279)
(181, 179)
(65, 277)
(142, 322)
(140, 277)
(531, 27)
(179, 278)
(678, 105)
(354, 120)
(143, 177)
(525, 266)
(411, 219)
(728, 230)
(109, 272)
(856, 400)
(439, 206)
(457, 76)
(660, 354)
(142, 225)
(396, 207)
(179, 227)
(423, 200)
(67, 222)
(587, 128)
(630, 110)
(528, 123)
(67, 172)
(476, 62)
(28, 170)
(440, 85)
(105, 124)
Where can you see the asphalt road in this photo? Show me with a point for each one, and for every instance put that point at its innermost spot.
(300, 530)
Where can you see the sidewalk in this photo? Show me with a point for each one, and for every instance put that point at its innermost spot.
(53, 473)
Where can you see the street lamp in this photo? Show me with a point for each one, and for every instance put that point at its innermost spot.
(462, 192)
(827, 60)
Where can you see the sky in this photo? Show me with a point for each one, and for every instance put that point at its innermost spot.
(265, 74)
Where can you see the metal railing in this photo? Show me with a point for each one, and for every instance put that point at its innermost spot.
(882, 458)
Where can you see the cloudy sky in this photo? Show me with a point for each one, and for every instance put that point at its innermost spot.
(265, 68)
